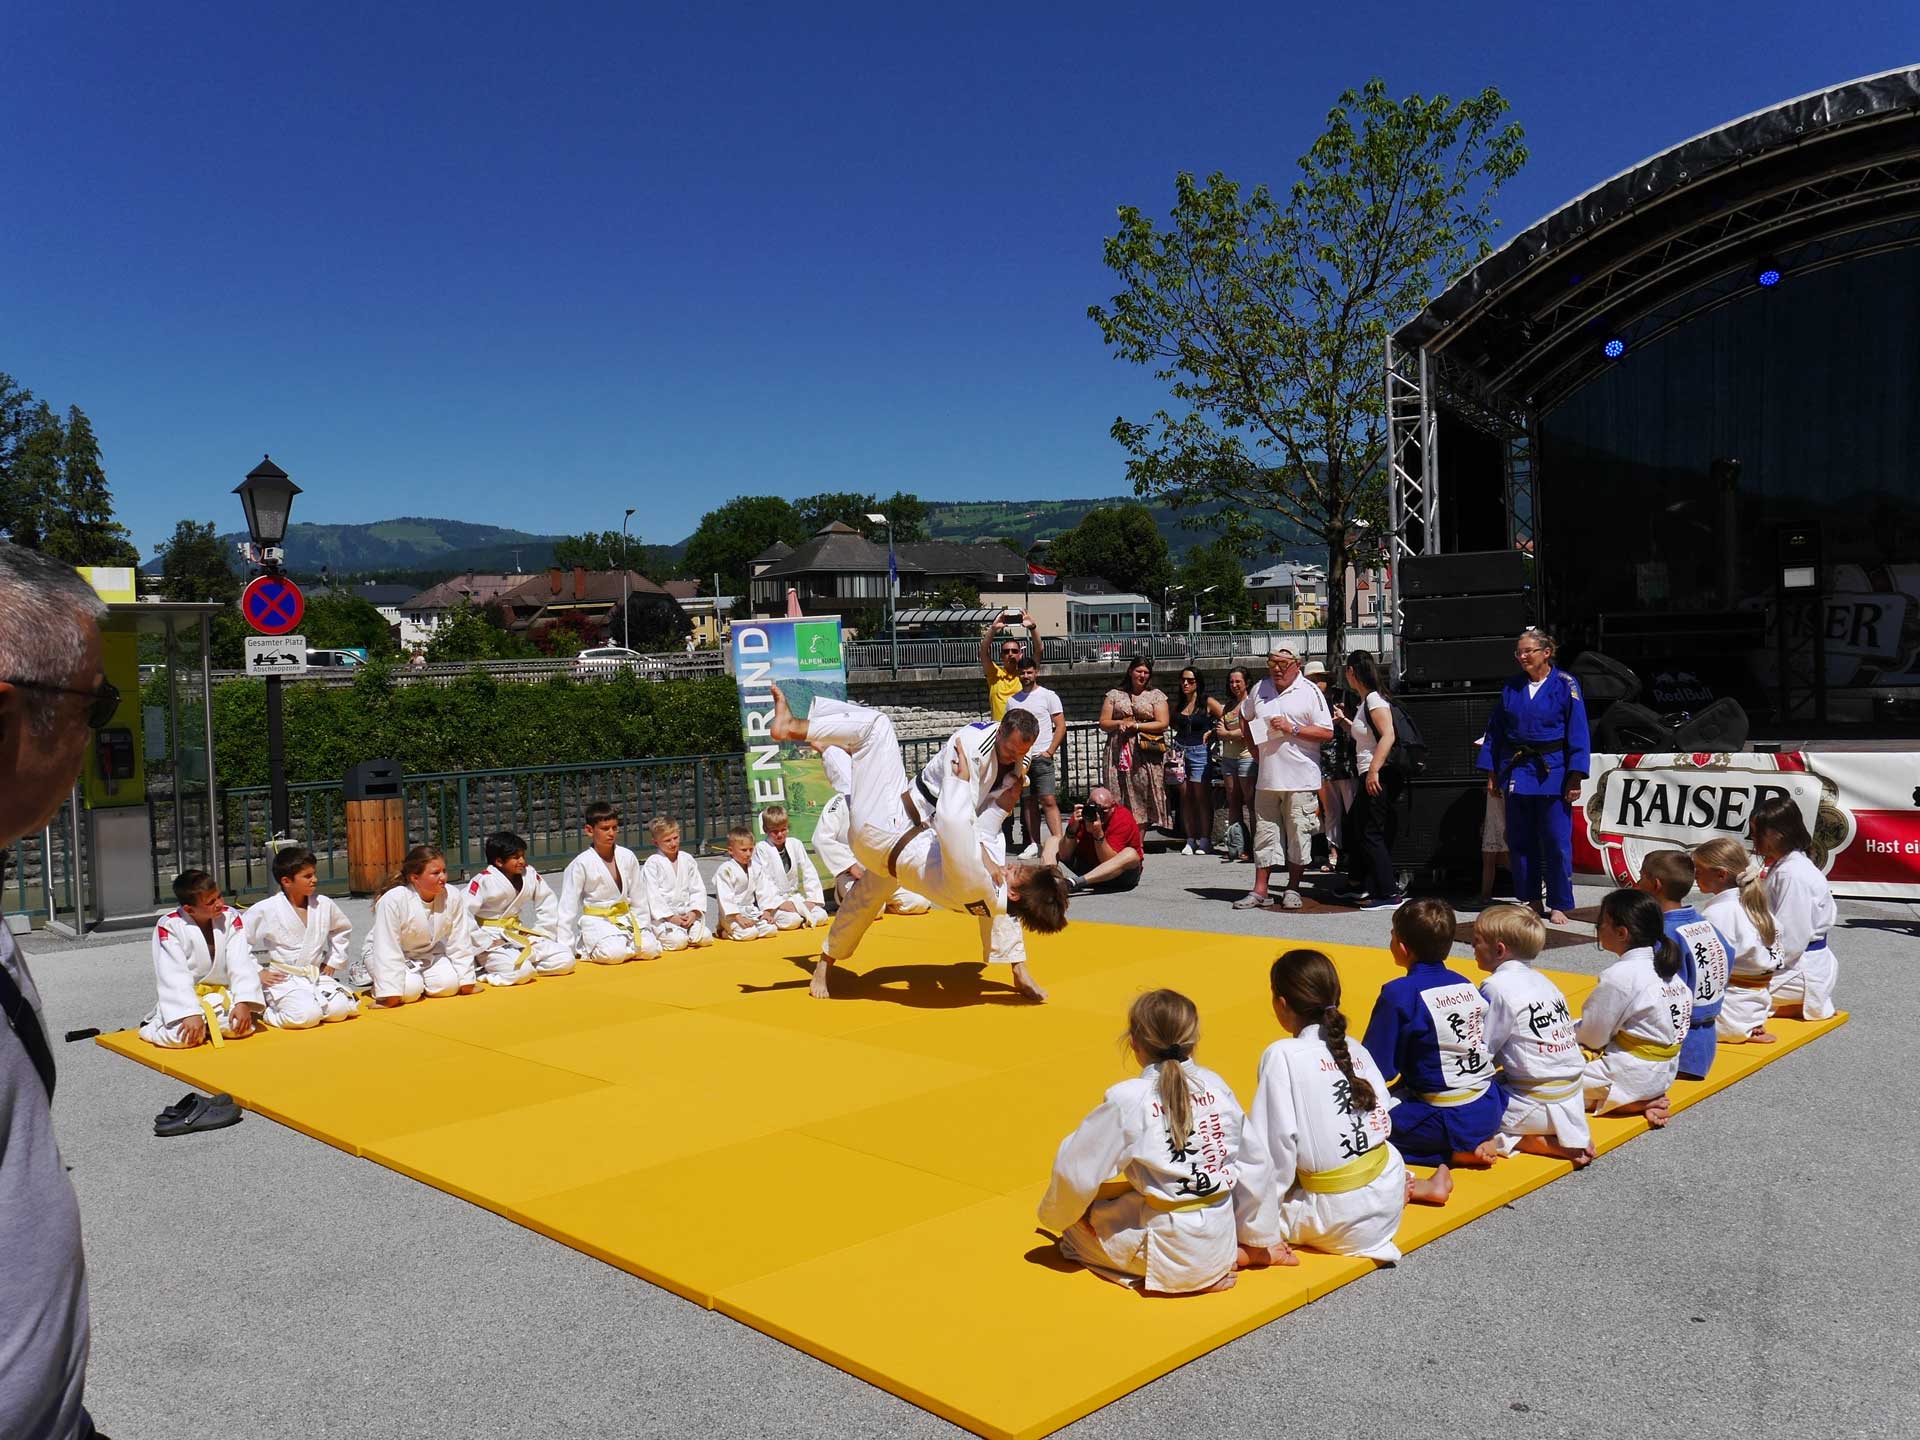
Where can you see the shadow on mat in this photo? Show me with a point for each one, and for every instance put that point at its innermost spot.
(924, 987)
(1556, 939)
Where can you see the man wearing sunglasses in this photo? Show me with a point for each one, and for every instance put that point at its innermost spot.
(51, 693)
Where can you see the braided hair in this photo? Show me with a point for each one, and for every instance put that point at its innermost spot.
(1307, 981)
(1165, 1026)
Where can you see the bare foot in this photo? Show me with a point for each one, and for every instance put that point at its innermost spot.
(1658, 1112)
(784, 726)
(1553, 1150)
(1261, 1256)
(1557, 917)
(1480, 1157)
(468, 989)
(1023, 982)
(819, 989)
(1762, 1037)
(1433, 1190)
(1582, 1158)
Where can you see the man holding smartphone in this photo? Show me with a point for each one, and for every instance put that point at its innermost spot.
(1103, 849)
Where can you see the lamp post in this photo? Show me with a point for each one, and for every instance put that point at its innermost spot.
(626, 579)
(1027, 601)
(267, 497)
(893, 586)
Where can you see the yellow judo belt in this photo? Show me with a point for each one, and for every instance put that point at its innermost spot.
(1354, 1175)
(1750, 982)
(1545, 1090)
(621, 913)
(1454, 1097)
(1190, 1202)
(510, 926)
(205, 995)
(1646, 1049)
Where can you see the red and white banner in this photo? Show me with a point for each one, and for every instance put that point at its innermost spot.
(1862, 808)
(1039, 575)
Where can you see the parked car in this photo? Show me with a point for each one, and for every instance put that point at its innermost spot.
(604, 660)
(334, 659)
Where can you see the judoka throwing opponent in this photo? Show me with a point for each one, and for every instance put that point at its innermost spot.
(948, 860)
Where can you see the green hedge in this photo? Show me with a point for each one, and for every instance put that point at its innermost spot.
(473, 724)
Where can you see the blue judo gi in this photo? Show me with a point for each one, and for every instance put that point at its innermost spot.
(1699, 967)
(1431, 1073)
(1534, 747)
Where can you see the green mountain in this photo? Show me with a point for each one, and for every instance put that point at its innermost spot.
(410, 544)
(1031, 520)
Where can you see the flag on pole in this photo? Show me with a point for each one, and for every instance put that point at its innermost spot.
(893, 568)
(1041, 576)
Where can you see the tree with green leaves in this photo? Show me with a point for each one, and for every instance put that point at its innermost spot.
(339, 620)
(16, 420)
(34, 477)
(1120, 544)
(1213, 581)
(464, 635)
(1268, 316)
(82, 530)
(194, 565)
(732, 535)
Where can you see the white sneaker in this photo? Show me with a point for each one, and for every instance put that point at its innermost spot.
(1187, 849)
(1032, 852)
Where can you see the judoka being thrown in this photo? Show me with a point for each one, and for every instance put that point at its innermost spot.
(948, 860)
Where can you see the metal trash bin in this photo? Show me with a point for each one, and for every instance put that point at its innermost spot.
(376, 823)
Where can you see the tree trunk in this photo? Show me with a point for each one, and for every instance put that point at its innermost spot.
(1339, 560)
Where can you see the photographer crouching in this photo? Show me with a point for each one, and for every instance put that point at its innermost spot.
(1103, 849)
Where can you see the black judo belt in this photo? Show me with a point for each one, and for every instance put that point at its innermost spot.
(1534, 757)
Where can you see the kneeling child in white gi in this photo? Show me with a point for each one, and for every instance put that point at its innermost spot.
(1530, 1036)
(209, 984)
(299, 938)
(516, 917)
(785, 874)
(603, 900)
(421, 942)
(676, 895)
(734, 891)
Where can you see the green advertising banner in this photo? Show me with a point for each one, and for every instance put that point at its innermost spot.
(804, 657)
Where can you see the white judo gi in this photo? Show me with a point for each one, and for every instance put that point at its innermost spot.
(1636, 1021)
(1313, 1172)
(1803, 913)
(604, 919)
(830, 841)
(738, 898)
(786, 877)
(193, 980)
(674, 887)
(516, 931)
(1749, 995)
(417, 949)
(1169, 1219)
(308, 947)
(1530, 1033)
(942, 861)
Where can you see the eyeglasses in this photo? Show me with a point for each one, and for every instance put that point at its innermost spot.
(105, 698)
(1522, 654)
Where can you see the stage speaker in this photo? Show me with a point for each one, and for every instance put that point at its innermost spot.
(1466, 617)
(1449, 724)
(1472, 572)
(1719, 726)
(1603, 681)
(1439, 829)
(1454, 662)
(1630, 728)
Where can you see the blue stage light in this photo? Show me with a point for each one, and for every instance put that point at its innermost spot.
(1768, 277)
(1614, 348)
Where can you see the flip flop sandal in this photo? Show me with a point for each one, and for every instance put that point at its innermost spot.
(204, 1113)
(180, 1106)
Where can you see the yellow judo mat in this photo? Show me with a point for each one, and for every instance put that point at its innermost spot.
(857, 1178)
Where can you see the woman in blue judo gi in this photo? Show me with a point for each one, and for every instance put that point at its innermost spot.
(1536, 754)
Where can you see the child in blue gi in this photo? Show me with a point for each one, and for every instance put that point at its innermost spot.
(1706, 956)
(1429, 1034)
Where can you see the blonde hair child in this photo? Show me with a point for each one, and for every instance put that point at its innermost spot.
(1172, 1134)
(1530, 1034)
(676, 895)
(1736, 902)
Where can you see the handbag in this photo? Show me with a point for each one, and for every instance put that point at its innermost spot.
(1177, 765)
(1151, 747)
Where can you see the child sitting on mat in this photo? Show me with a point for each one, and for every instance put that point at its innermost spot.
(1317, 1170)
(1737, 905)
(676, 895)
(603, 899)
(736, 893)
(1172, 1135)
(516, 916)
(209, 984)
(1635, 1019)
(299, 938)
(1706, 956)
(1429, 1031)
(789, 884)
(1530, 1032)
(1803, 911)
(420, 943)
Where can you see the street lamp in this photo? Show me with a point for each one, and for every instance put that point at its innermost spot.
(893, 585)
(267, 497)
(626, 579)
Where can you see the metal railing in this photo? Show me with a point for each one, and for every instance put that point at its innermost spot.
(1068, 652)
(670, 665)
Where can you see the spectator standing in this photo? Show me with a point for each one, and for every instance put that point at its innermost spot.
(1000, 664)
(1369, 833)
(1194, 716)
(1236, 768)
(1043, 774)
(53, 695)
(1287, 721)
(1134, 717)
(1103, 849)
(1536, 754)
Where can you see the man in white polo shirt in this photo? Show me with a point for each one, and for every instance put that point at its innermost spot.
(1286, 719)
(1043, 776)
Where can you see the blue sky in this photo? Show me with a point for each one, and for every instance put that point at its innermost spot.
(529, 265)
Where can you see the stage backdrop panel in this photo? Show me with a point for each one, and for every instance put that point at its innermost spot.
(805, 659)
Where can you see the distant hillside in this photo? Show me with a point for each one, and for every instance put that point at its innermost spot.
(1046, 519)
(411, 543)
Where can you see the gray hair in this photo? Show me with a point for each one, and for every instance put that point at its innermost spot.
(46, 613)
(1540, 638)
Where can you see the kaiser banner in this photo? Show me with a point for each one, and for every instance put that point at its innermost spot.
(803, 657)
(1861, 807)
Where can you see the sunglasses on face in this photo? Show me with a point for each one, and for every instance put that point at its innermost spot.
(105, 699)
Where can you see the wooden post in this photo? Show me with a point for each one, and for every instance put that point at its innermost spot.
(376, 842)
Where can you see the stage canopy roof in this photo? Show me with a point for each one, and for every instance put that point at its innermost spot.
(1804, 184)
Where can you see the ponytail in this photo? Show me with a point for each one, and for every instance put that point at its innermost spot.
(1753, 900)
(1639, 914)
(1667, 957)
(1310, 985)
(1730, 858)
(1165, 1026)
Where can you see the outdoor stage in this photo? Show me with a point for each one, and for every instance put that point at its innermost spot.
(858, 1178)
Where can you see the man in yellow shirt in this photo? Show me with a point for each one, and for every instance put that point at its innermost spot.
(1002, 673)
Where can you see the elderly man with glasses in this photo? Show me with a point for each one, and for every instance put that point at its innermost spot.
(1286, 721)
(1535, 752)
(52, 695)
